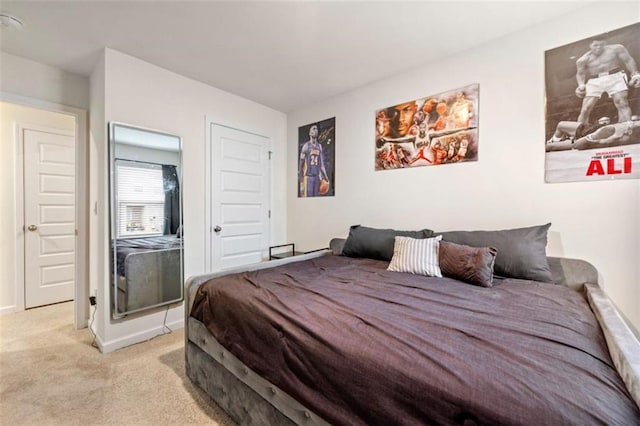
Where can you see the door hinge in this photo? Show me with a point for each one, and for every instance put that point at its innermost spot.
(75, 231)
(269, 214)
(270, 152)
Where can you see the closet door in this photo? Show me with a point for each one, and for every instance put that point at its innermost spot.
(239, 198)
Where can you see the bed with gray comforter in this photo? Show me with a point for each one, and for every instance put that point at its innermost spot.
(325, 338)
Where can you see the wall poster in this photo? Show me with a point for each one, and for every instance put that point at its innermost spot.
(438, 129)
(593, 108)
(316, 159)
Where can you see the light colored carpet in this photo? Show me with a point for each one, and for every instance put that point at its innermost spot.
(50, 374)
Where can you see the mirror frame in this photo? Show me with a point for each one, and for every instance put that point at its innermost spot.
(113, 260)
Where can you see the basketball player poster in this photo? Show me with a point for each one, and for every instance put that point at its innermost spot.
(316, 159)
(438, 129)
(593, 108)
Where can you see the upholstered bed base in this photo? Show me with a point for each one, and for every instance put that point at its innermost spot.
(244, 395)
(624, 348)
(251, 400)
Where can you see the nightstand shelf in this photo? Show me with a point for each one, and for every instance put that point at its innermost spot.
(283, 254)
(287, 253)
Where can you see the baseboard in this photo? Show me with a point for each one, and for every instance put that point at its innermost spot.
(8, 309)
(142, 336)
(99, 343)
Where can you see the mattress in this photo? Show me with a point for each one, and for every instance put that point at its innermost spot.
(360, 345)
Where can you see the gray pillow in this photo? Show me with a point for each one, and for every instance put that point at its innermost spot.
(375, 243)
(521, 252)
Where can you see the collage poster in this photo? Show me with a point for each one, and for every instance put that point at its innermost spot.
(593, 108)
(316, 159)
(438, 129)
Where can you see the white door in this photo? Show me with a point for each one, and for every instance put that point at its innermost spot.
(49, 217)
(239, 197)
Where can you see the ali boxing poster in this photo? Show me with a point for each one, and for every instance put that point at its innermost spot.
(593, 108)
(316, 159)
(430, 131)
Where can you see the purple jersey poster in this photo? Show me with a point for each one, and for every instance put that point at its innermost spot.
(316, 159)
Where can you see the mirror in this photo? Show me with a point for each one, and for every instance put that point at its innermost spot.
(146, 219)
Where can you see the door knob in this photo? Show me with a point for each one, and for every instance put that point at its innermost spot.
(217, 228)
(32, 228)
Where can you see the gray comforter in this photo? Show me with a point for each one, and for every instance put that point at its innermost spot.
(360, 345)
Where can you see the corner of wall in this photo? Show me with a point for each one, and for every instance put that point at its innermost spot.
(97, 195)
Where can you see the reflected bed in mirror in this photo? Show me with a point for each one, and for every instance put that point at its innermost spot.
(146, 219)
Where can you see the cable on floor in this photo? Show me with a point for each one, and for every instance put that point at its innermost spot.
(164, 323)
(93, 317)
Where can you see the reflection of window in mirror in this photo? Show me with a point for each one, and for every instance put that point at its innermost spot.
(141, 199)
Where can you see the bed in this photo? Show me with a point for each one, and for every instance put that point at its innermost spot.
(330, 339)
(146, 271)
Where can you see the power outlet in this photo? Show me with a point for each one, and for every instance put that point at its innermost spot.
(92, 300)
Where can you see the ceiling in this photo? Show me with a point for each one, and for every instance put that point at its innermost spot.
(281, 54)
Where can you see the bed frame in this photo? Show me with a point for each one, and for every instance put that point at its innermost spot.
(150, 279)
(251, 400)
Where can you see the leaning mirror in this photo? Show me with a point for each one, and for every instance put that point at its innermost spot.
(146, 219)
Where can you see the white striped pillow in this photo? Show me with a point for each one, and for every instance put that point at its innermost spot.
(416, 256)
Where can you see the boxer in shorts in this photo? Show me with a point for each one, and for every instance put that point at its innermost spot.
(602, 69)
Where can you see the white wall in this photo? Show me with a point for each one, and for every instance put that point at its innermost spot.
(150, 155)
(596, 221)
(25, 77)
(145, 95)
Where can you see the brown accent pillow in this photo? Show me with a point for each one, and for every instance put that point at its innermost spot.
(473, 265)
